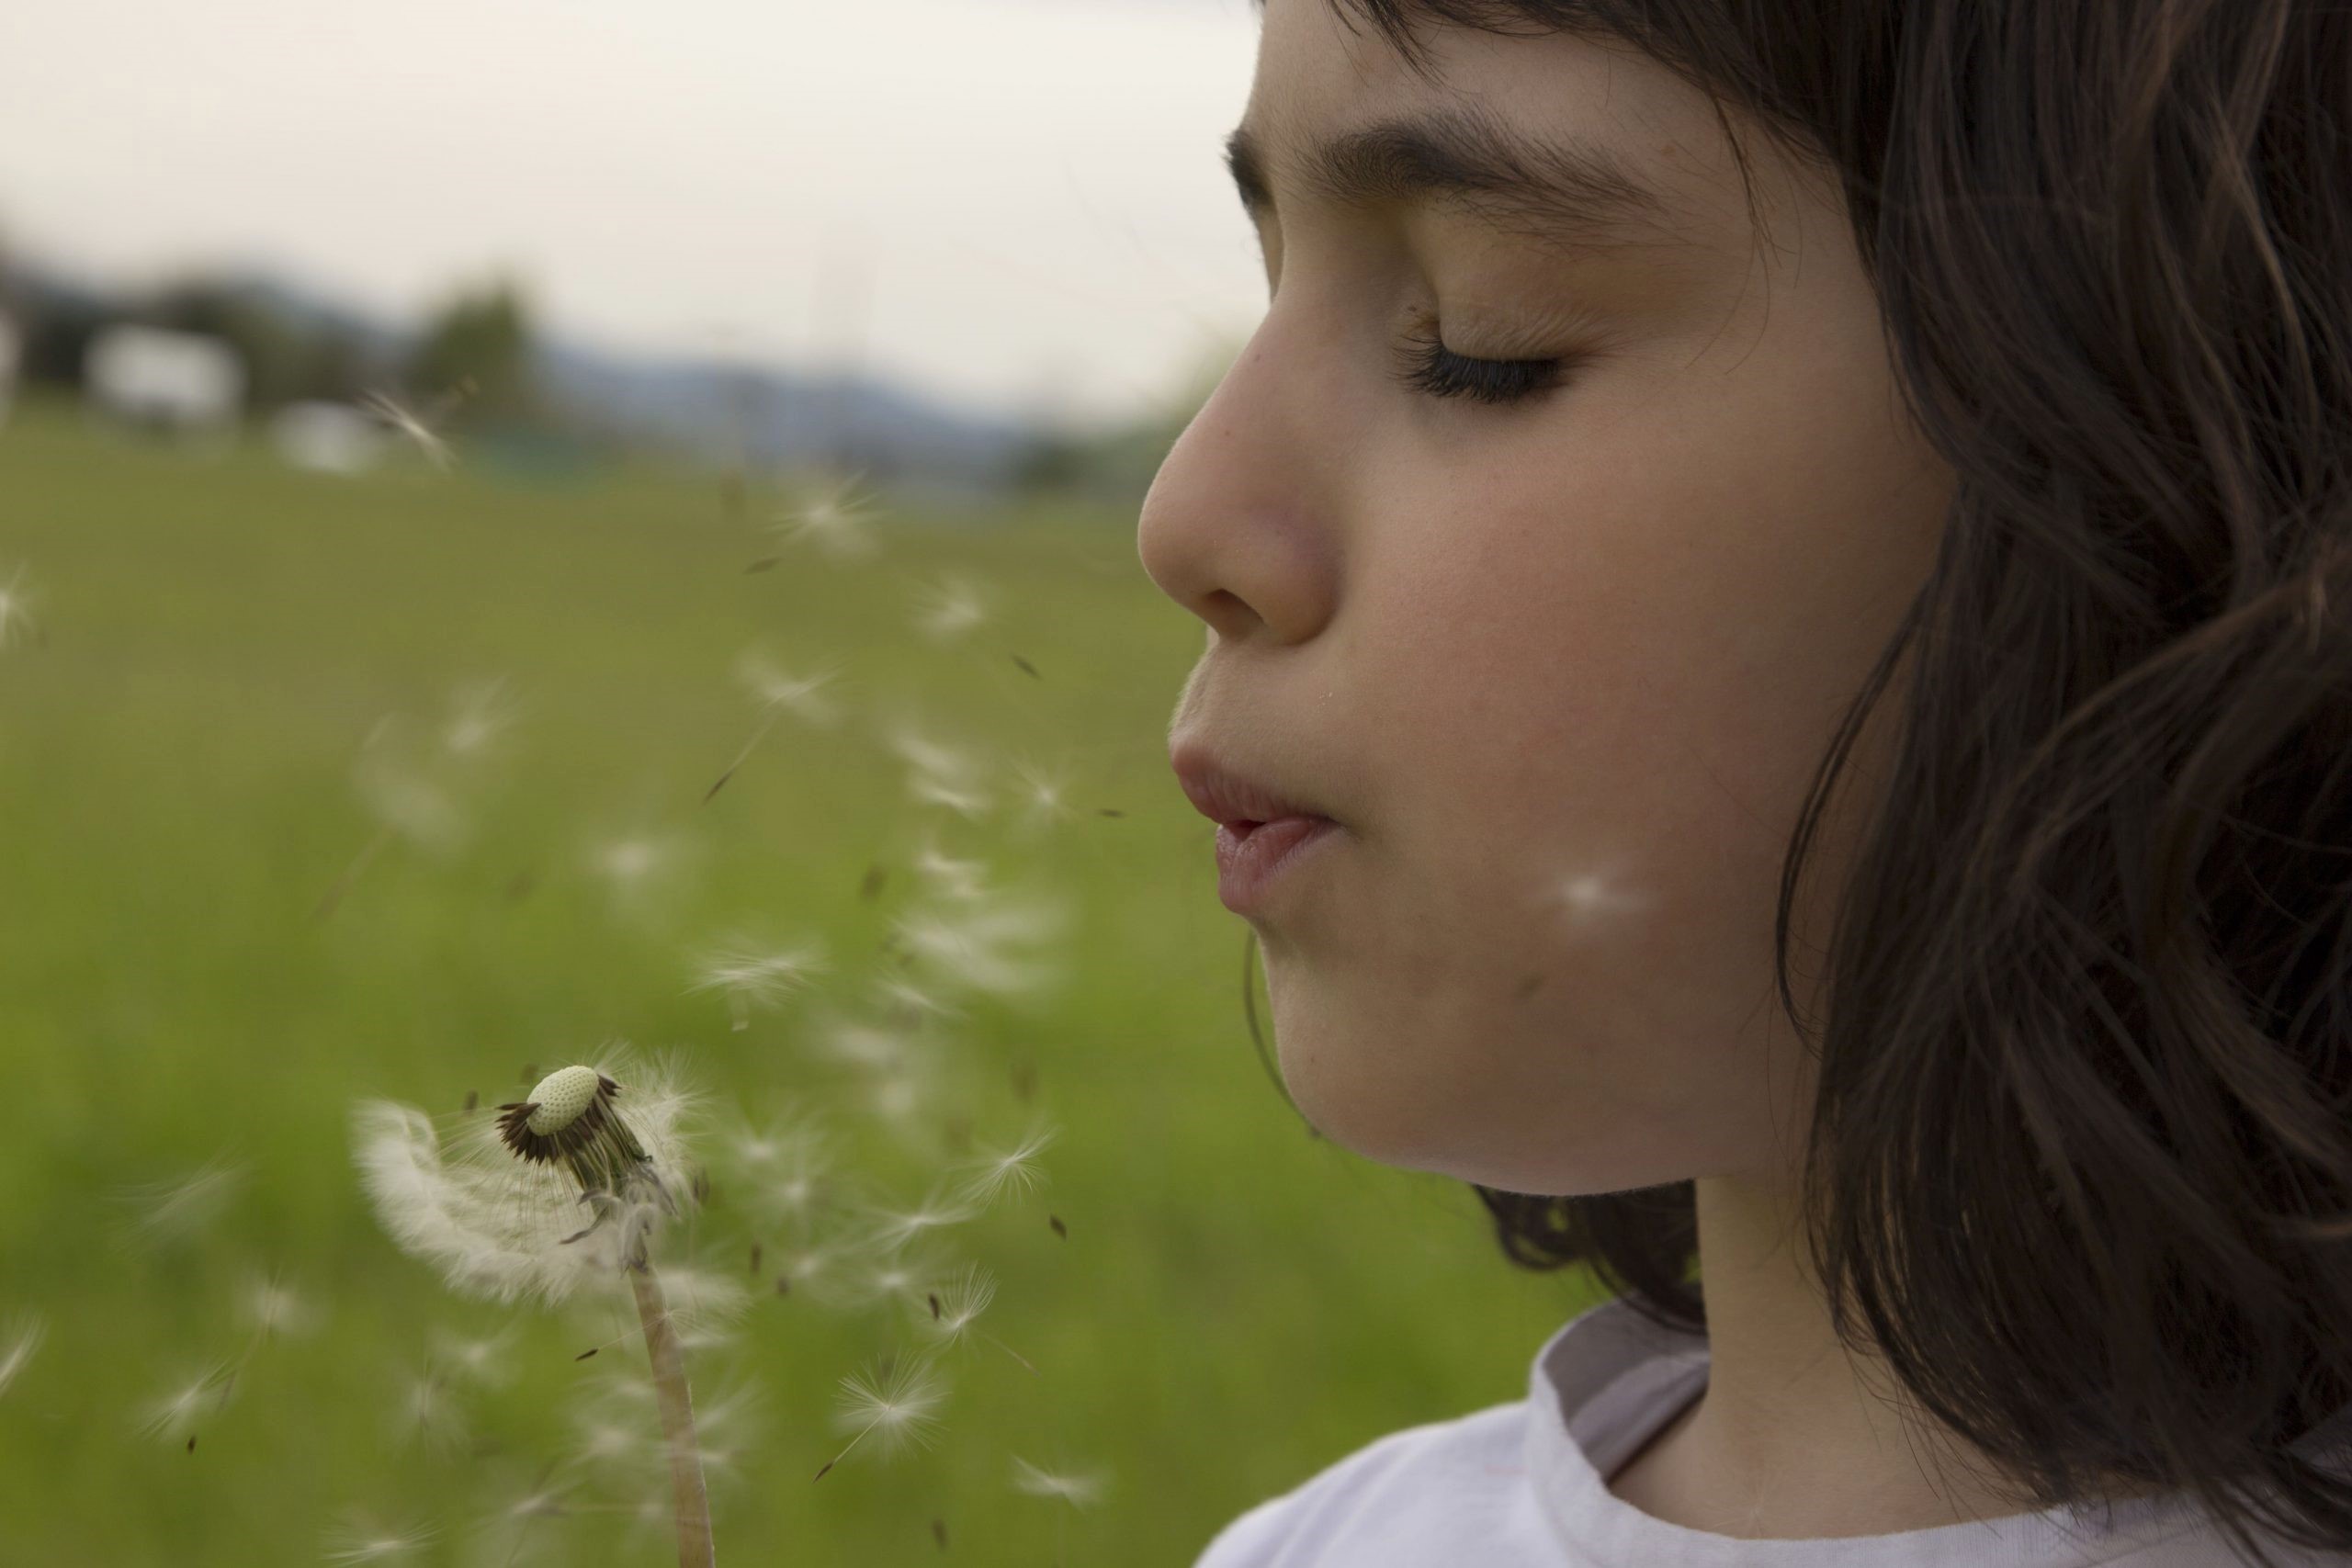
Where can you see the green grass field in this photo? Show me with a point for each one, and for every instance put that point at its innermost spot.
(213, 642)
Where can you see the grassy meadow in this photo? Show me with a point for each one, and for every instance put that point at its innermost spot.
(254, 877)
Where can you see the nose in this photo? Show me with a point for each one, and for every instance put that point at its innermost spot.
(1237, 525)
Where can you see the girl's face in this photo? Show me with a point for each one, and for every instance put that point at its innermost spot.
(1561, 667)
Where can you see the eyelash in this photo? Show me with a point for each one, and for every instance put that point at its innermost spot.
(1426, 365)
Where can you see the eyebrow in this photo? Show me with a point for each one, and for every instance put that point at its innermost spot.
(1570, 192)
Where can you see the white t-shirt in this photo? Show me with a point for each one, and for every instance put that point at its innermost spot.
(1524, 1486)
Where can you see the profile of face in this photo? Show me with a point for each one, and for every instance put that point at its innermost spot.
(1559, 655)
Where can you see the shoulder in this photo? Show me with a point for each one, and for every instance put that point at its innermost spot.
(1407, 1482)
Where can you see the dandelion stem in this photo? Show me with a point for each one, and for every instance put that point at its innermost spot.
(693, 1504)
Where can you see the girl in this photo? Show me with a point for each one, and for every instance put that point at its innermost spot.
(1776, 586)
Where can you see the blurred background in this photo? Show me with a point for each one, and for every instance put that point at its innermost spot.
(534, 533)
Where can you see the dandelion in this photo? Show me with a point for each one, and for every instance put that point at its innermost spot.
(176, 1414)
(749, 976)
(955, 1308)
(499, 1217)
(949, 608)
(16, 609)
(837, 522)
(897, 1400)
(23, 1337)
(1012, 1170)
(362, 1540)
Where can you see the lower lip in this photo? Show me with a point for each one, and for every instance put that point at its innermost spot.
(1247, 864)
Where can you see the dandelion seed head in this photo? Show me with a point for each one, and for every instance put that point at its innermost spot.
(505, 1227)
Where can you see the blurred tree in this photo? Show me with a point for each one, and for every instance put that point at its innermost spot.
(481, 340)
(271, 346)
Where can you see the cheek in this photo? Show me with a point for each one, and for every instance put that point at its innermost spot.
(1597, 724)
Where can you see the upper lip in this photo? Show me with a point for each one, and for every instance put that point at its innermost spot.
(1225, 794)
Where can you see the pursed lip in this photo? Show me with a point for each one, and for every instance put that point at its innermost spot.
(1226, 795)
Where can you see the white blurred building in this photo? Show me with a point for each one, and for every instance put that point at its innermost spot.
(168, 380)
(326, 437)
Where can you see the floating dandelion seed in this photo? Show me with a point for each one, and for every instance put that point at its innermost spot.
(973, 943)
(910, 1001)
(174, 1414)
(751, 976)
(896, 1399)
(1042, 795)
(1589, 896)
(175, 1210)
(16, 1348)
(480, 712)
(948, 609)
(837, 522)
(954, 1309)
(951, 877)
(939, 775)
(362, 1540)
(16, 609)
(1077, 1491)
(777, 694)
(274, 1308)
(484, 1360)
(893, 1229)
(1011, 1171)
(428, 1413)
(418, 428)
(495, 1225)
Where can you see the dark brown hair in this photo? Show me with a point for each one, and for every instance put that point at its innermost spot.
(2081, 1169)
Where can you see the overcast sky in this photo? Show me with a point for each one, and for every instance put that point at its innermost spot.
(1010, 203)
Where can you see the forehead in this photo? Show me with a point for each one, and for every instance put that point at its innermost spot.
(1318, 77)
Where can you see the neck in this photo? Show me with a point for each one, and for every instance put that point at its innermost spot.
(1794, 1437)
